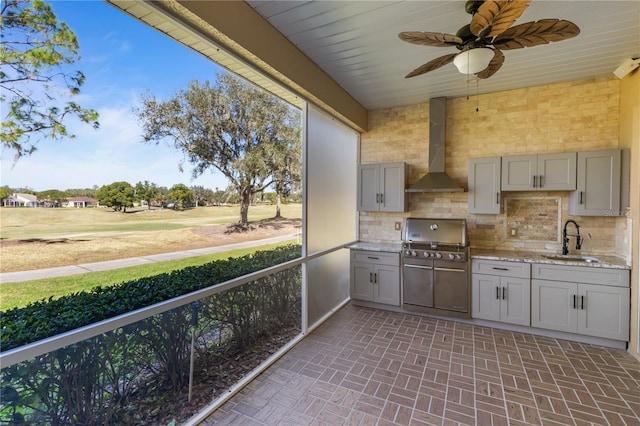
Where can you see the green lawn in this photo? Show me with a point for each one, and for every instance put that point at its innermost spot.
(22, 223)
(21, 293)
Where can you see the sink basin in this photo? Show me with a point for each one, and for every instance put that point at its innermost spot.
(572, 258)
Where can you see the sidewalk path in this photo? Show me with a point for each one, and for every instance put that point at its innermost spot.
(36, 274)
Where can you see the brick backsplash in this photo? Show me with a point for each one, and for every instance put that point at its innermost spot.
(572, 116)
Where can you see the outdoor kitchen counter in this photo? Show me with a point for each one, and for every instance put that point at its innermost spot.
(386, 247)
(537, 257)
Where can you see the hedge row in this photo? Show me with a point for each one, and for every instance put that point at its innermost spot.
(47, 318)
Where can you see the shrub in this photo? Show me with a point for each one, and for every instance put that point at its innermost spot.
(47, 318)
(139, 373)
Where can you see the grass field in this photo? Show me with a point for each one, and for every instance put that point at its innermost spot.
(24, 223)
(37, 238)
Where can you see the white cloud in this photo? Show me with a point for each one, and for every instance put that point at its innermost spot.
(115, 152)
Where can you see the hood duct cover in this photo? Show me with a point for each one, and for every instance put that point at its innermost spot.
(436, 180)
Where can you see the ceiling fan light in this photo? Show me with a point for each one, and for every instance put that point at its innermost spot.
(473, 60)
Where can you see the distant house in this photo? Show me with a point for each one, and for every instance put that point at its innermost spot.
(80, 202)
(21, 200)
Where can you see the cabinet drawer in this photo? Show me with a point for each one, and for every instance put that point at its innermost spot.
(501, 268)
(377, 257)
(581, 274)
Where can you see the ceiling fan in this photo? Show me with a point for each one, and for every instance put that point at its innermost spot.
(490, 32)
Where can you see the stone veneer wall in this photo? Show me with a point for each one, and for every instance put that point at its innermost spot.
(573, 116)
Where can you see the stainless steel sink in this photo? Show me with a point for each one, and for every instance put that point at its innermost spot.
(572, 258)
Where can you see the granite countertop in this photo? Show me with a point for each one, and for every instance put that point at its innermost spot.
(387, 247)
(513, 256)
(537, 257)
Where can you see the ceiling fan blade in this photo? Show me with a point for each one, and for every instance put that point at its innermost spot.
(494, 16)
(494, 65)
(430, 39)
(432, 65)
(536, 33)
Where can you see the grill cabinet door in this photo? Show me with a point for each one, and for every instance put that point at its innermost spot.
(418, 284)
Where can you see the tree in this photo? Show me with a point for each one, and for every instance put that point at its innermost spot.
(5, 192)
(34, 51)
(52, 197)
(287, 170)
(146, 191)
(202, 196)
(118, 196)
(83, 192)
(232, 127)
(181, 195)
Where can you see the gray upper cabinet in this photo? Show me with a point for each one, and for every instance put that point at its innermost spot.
(598, 186)
(381, 187)
(484, 185)
(539, 172)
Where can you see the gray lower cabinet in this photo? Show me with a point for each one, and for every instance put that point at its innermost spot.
(585, 300)
(484, 185)
(381, 187)
(375, 277)
(501, 291)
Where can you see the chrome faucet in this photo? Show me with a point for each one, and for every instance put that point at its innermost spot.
(565, 237)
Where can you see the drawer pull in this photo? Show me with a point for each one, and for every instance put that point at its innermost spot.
(418, 267)
(500, 269)
(372, 258)
(449, 270)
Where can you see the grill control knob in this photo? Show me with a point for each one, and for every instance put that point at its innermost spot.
(458, 257)
(413, 253)
(438, 255)
(407, 252)
(426, 254)
(452, 256)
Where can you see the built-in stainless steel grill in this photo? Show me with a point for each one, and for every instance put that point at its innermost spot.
(435, 266)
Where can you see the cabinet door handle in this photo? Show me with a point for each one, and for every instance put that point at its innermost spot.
(500, 269)
(503, 293)
(498, 292)
(582, 302)
(371, 277)
(375, 278)
(381, 198)
(534, 181)
(574, 302)
(377, 198)
(581, 198)
(540, 181)
(497, 197)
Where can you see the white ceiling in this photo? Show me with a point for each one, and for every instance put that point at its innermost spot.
(357, 44)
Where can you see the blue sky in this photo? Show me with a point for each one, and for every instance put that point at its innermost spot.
(122, 59)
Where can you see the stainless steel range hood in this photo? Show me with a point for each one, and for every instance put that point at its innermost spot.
(436, 180)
